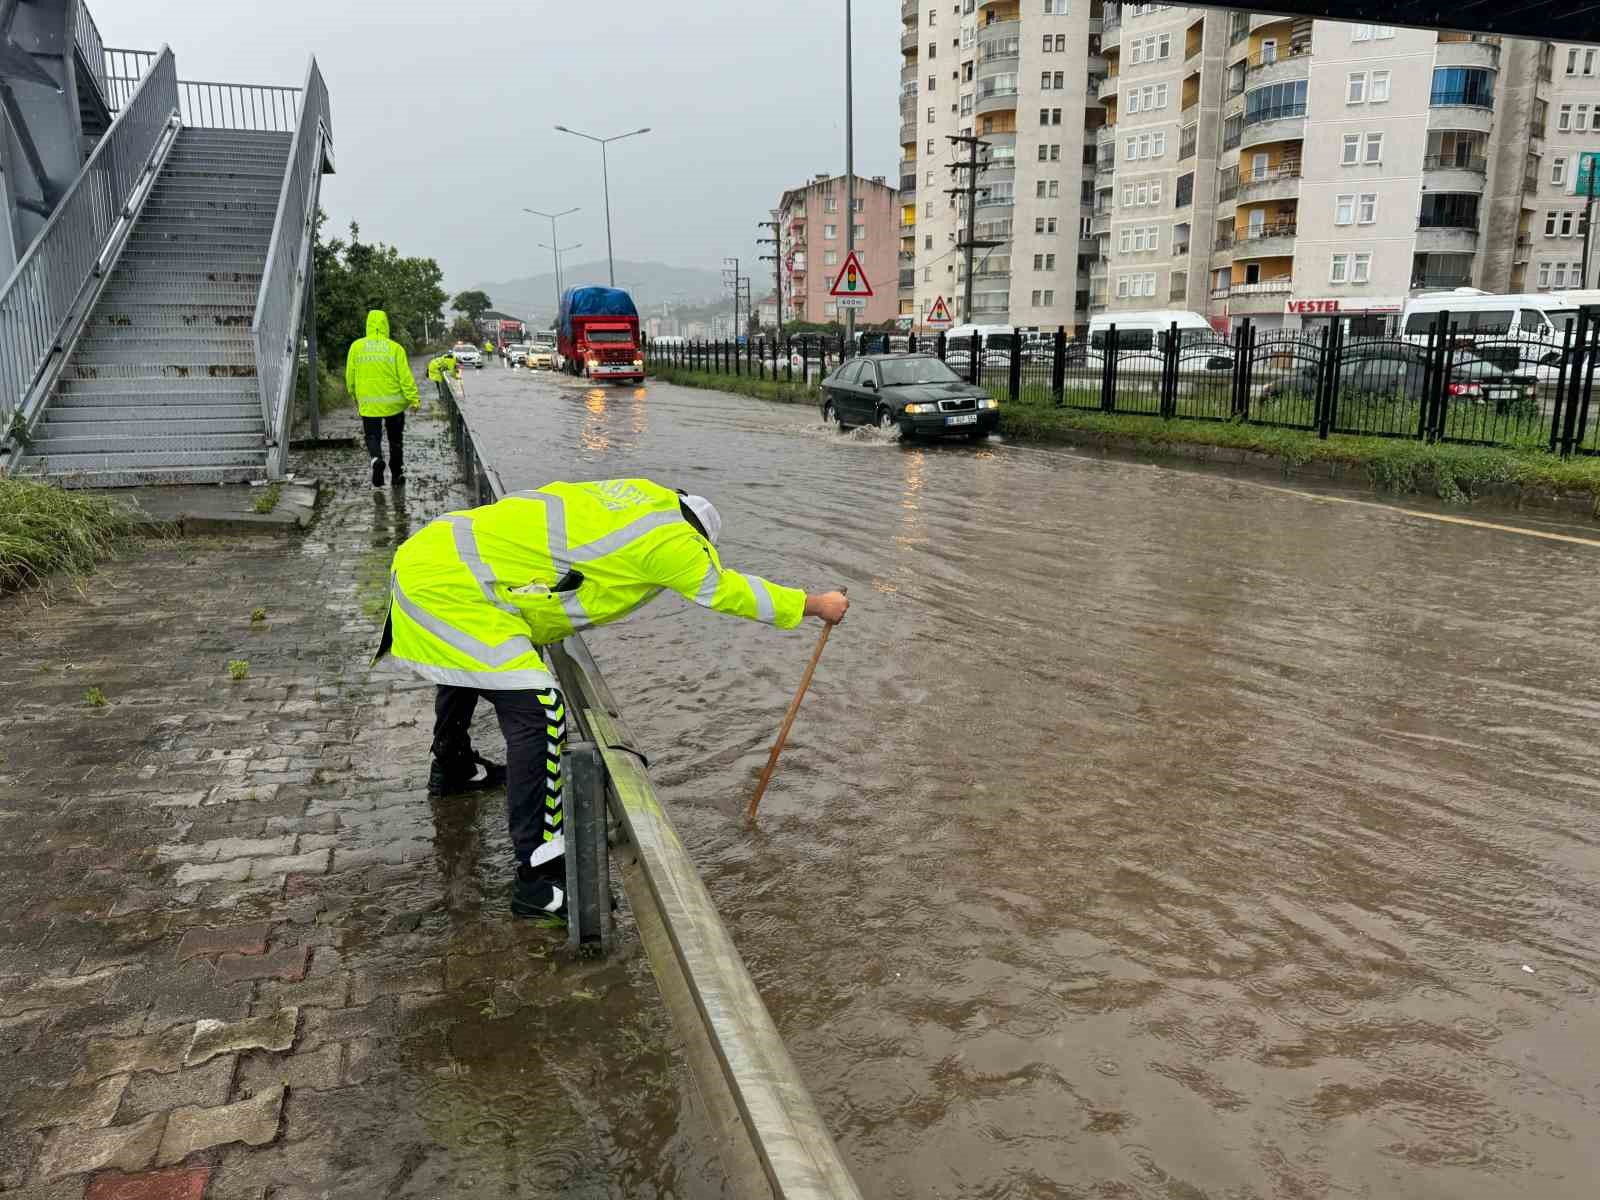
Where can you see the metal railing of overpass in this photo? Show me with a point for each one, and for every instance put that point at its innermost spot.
(281, 301)
(203, 104)
(49, 293)
(1540, 20)
(769, 1134)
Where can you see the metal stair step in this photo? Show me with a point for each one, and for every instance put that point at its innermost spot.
(132, 289)
(173, 319)
(242, 137)
(171, 260)
(222, 168)
(191, 192)
(246, 225)
(94, 391)
(154, 443)
(200, 243)
(220, 340)
(168, 409)
(156, 423)
(128, 371)
(225, 153)
(131, 470)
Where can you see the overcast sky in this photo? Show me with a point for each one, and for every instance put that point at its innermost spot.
(443, 113)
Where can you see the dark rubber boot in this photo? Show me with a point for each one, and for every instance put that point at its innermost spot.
(537, 895)
(469, 774)
(377, 472)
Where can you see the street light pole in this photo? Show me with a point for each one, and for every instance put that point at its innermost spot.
(556, 252)
(553, 217)
(605, 176)
(849, 166)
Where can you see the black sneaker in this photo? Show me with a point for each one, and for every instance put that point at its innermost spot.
(535, 895)
(397, 480)
(471, 774)
(377, 472)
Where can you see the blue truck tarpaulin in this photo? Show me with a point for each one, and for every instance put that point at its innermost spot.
(594, 302)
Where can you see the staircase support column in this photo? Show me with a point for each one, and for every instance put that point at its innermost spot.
(309, 318)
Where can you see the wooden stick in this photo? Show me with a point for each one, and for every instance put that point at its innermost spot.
(788, 720)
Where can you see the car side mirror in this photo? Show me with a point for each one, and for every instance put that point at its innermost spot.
(870, 383)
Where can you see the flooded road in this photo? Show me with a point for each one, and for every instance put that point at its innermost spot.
(1145, 833)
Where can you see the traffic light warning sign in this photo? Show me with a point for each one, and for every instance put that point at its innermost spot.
(851, 280)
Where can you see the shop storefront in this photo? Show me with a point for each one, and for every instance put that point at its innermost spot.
(1357, 317)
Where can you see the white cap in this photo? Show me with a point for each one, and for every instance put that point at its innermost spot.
(710, 519)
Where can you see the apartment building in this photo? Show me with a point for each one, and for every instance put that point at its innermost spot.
(1026, 83)
(1240, 165)
(812, 241)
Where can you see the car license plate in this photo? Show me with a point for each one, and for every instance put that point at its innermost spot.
(1504, 393)
(963, 419)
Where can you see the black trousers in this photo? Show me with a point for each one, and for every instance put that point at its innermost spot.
(535, 727)
(374, 428)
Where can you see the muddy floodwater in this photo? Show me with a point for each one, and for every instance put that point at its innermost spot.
(1145, 833)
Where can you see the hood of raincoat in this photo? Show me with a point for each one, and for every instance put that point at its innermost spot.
(378, 323)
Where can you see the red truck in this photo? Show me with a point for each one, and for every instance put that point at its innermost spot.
(597, 333)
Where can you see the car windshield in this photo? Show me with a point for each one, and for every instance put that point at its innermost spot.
(610, 335)
(904, 372)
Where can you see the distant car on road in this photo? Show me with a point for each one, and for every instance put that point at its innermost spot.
(1397, 370)
(542, 356)
(517, 354)
(914, 393)
(466, 355)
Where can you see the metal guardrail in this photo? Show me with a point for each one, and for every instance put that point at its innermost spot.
(44, 302)
(279, 304)
(251, 107)
(770, 1136)
(91, 47)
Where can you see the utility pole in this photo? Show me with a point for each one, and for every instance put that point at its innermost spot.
(849, 167)
(776, 260)
(734, 283)
(974, 167)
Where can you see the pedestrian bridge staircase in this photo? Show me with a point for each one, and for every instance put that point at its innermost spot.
(159, 312)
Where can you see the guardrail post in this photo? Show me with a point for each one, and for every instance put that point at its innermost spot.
(1247, 382)
(1108, 370)
(939, 346)
(1561, 386)
(1581, 338)
(975, 360)
(1586, 386)
(1014, 376)
(1236, 400)
(588, 855)
(1058, 365)
(1169, 373)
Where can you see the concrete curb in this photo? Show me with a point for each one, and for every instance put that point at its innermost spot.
(296, 510)
(1514, 497)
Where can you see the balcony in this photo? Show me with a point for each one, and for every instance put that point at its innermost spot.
(1105, 135)
(1453, 173)
(908, 73)
(908, 279)
(908, 11)
(909, 38)
(1099, 268)
(1221, 293)
(908, 189)
(906, 257)
(1280, 184)
(1278, 66)
(1255, 299)
(1265, 241)
(1110, 36)
(1100, 223)
(1187, 141)
(994, 55)
(1524, 248)
(1442, 279)
(908, 228)
(1108, 87)
(996, 201)
(998, 100)
(1179, 293)
(1105, 176)
(1447, 239)
(908, 104)
(908, 133)
(1466, 50)
(1275, 123)
(1192, 64)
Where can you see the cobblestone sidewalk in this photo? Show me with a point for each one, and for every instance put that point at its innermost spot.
(241, 954)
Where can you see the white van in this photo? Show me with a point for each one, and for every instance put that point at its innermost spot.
(997, 340)
(1143, 330)
(1480, 314)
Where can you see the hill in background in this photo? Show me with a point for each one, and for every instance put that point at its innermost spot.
(650, 284)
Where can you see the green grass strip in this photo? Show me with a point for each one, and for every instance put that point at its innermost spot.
(45, 529)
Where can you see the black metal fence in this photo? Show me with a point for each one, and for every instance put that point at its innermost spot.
(1435, 384)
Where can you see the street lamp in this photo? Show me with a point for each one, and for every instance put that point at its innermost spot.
(605, 175)
(552, 218)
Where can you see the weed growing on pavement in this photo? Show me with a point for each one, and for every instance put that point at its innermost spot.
(238, 668)
(268, 499)
(45, 529)
(257, 615)
(94, 698)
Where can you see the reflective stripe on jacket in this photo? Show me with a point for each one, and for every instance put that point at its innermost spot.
(472, 593)
(376, 372)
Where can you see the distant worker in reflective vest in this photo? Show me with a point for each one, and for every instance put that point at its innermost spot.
(475, 594)
(378, 374)
(438, 368)
(488, 350)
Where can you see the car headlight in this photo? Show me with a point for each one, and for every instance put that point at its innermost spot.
(921, 408)
(988, 402)
(638, 362)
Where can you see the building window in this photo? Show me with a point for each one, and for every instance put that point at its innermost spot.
(1355, 89)
(1047, 43)
(1580, 119)
(1050, 225)
(1558, 171)
(1373, 144)
(933, 113)
(1049, 297)
(1055, 152)
(1367, 208)
(1035, 296)
(1564, 118)
(1550, 224)
(830, 205)
(1038, 189)
(830, 309)
(1544, 275)
(1038, 264)
(1044, 81)
(927, 241)
(1044, 116)
(1360, 268)
(1049, 262)
(1340, 269)
(1379, 91)
(930, 145)
(830, 231)
(1055, 116)
(1567, 224)
(1185, 191)
(830, 258)
(1055, 189)
(1344, 209)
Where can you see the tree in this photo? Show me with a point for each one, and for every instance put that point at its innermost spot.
(473, 303)
(464, 330)
(354, 277)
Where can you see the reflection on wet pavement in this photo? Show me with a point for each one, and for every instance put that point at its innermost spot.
(1144, 833)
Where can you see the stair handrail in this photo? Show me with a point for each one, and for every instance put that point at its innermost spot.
(276, 326)
(91, 47)
(45, 300)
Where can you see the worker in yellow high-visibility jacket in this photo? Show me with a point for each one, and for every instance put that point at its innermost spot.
(475, 594)
(378, 375)
(438, 368)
